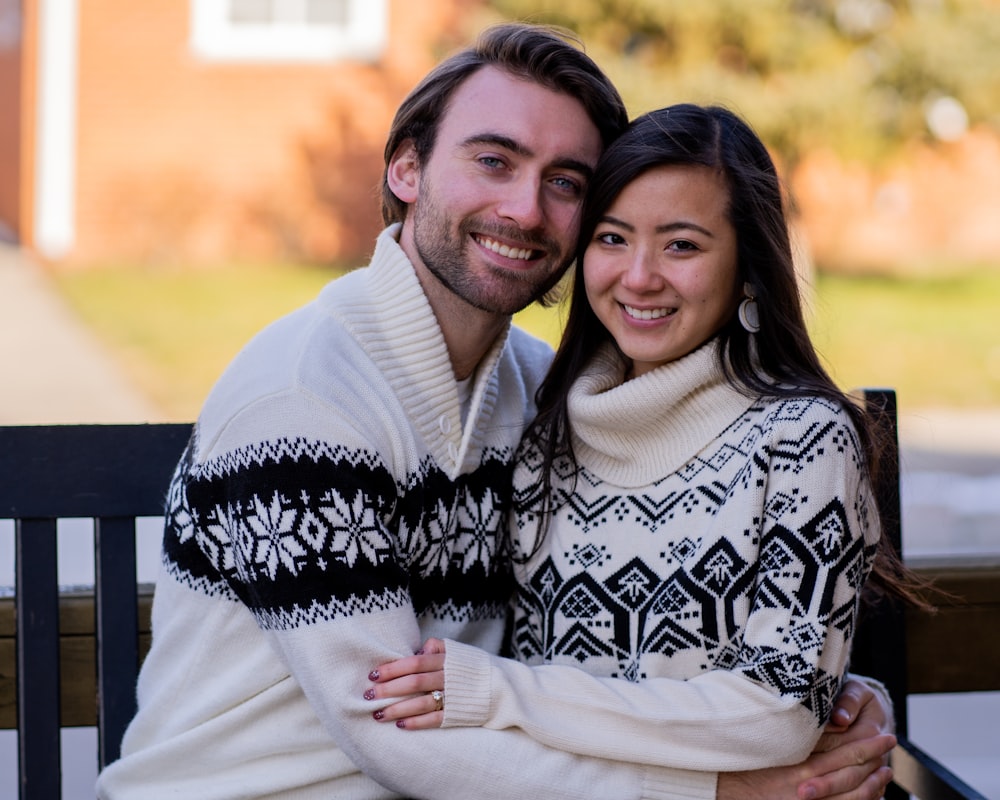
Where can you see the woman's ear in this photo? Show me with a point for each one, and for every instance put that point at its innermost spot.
(403, 175)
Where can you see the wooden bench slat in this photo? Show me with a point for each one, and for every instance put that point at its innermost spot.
(37, 615)
(77, 656)
(117, 625)
(880, 642)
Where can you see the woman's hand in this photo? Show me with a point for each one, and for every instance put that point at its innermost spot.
(421, 675)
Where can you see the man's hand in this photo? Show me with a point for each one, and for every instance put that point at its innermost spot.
(850, 772)
(862, 702)
(850, 761)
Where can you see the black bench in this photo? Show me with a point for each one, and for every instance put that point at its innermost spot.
(112, 474)
(77, 657)
(880, 647)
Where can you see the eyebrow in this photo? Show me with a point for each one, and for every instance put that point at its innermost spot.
(514, 146)
(666, 228)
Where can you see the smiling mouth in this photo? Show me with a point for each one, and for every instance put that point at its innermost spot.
(648, 313)
(501, 249)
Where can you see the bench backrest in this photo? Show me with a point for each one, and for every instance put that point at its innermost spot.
(112, 474)
(880, 644)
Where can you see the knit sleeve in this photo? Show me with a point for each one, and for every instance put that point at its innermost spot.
(765, 702)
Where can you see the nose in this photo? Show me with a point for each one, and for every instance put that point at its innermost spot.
(521, 202)
(641, 273)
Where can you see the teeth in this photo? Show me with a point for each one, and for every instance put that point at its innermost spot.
(507, 252)
(647, 313)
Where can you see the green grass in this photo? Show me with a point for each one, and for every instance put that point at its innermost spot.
(175, 330)
(937, 341)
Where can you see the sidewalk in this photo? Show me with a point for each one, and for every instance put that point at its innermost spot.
(53, 369)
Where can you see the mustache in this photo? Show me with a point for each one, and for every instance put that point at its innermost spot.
(533, 240)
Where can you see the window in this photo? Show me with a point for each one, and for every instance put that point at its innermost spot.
(288, 30)
(10, 24)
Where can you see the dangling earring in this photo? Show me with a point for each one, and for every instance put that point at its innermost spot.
(749, 317)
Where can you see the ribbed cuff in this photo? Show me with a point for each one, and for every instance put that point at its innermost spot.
(466, 686)
(663, 783)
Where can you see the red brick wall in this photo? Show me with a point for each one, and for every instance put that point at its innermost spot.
(929, 208)
(183, 159)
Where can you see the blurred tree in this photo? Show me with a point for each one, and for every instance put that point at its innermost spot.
(859, 76)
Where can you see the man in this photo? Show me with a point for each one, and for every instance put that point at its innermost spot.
(342, 496)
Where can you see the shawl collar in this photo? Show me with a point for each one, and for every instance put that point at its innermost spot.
(387, 310)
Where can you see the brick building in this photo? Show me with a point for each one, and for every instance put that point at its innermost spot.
(198, 130)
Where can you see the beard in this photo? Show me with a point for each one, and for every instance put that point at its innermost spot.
(448, 255)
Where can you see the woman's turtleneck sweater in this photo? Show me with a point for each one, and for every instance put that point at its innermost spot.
(698, 581)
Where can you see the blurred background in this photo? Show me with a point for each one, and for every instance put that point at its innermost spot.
(175, 174)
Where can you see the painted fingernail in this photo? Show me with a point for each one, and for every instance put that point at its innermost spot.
(400, 723)
(420, 652)
(373, 675)
(378, 714)
(369, 694)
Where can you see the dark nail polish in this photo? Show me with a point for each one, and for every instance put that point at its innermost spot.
(400, 723)
(378, 714)
(369, 694)
(373, 675)
(420, 652)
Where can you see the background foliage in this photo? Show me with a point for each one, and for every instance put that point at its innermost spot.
(860, 76)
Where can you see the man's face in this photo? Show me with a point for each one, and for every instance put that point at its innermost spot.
(494, 209)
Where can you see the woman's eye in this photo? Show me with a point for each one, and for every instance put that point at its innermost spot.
(682, 245)
(609, 238)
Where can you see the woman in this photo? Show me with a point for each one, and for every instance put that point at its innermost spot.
(693, 505)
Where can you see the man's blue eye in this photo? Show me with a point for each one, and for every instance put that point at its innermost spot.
(567, 183)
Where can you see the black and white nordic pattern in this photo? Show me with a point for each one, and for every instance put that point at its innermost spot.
(670, 575)
(302, 531)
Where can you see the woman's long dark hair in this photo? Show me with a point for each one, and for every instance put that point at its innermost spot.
(779, 360)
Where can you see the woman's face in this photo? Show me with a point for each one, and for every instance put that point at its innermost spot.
(660, 271)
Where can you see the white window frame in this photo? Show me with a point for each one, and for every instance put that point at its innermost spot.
(54, 229)
(215, 37)
(10, 25)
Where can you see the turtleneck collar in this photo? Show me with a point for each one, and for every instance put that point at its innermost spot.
(634, 432)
